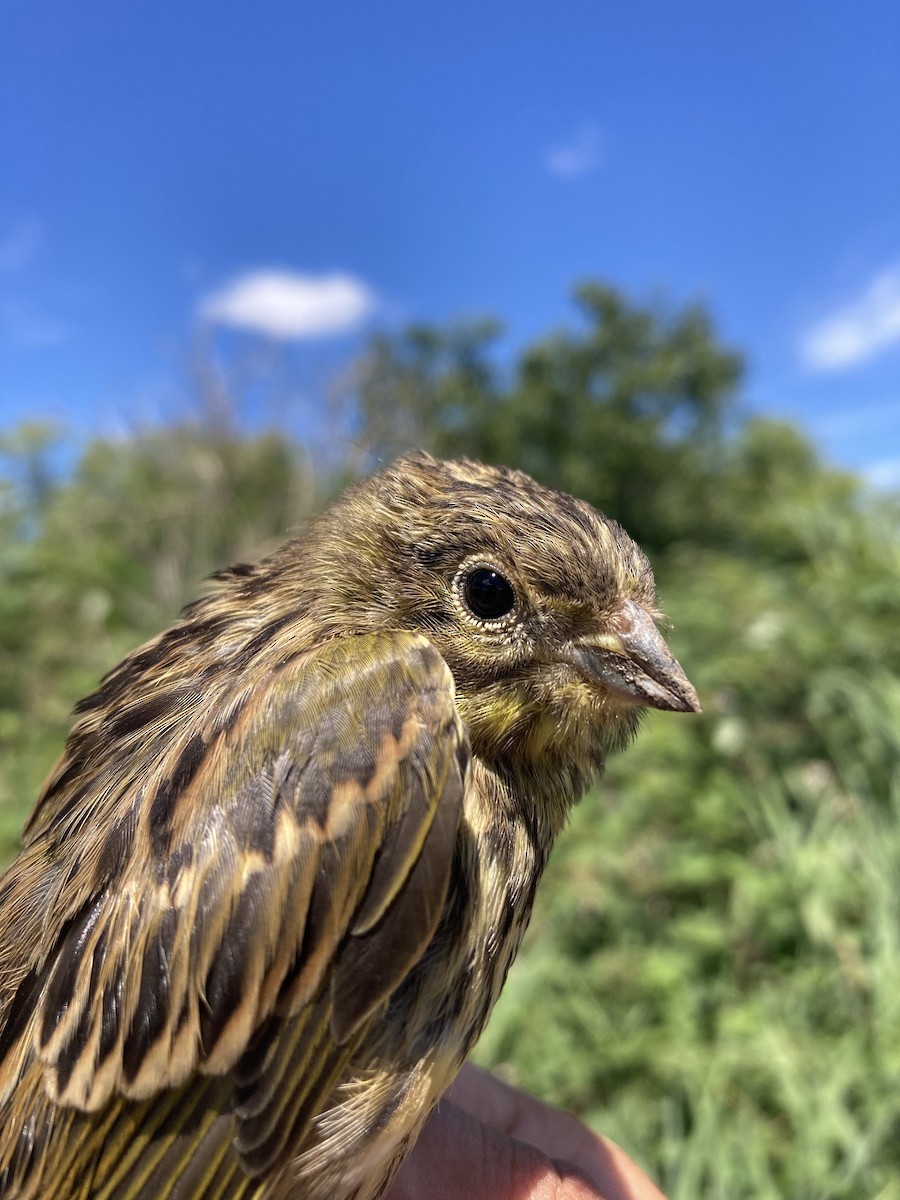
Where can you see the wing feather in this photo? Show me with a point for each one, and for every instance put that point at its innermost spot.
(295, 868)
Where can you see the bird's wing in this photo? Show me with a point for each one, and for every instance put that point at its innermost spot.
(303, 866)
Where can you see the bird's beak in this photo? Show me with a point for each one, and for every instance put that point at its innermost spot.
(631, 660)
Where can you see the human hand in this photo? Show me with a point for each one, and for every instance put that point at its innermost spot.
(490, 1141)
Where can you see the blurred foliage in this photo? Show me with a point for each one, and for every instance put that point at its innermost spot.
(712, 975)
(627, 412)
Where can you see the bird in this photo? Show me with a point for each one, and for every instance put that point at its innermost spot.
(272, 889)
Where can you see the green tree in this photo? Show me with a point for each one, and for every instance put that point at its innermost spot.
(629, 411)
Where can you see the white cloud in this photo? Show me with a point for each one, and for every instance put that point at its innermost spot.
(286, 305)
(884, 474)
(575, 157)
(856, 333)
(19, 244)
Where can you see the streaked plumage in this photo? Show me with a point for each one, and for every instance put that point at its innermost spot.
(272, 889)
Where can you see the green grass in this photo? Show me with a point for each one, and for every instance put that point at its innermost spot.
(718, 988)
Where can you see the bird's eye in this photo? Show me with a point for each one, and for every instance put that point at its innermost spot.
(488, 594)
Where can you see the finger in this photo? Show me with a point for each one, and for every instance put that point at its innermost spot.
(458, 1157)
(561, 1136)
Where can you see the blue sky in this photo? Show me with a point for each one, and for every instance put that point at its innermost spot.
(173, 172)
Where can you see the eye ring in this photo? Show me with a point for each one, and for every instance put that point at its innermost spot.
(486, 593)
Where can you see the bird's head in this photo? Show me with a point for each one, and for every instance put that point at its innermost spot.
(544, 609)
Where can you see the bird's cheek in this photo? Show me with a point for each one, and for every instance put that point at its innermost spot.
(492, 716)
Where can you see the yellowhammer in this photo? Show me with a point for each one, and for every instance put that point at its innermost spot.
(271, 891)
